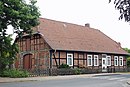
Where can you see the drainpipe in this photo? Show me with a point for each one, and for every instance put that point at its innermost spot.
(50, 58)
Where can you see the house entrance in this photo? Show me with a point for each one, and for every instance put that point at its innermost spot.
(27, 61)
(104, 63)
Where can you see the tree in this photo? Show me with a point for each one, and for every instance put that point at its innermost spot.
(127, 50)
(128, 57)
(8, 52)
(22, 17)
(124, 8)
(128, 61)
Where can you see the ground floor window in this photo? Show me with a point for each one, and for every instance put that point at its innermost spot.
(96, 60)
(108, 60)
(121, 60)
(116, 60)
(89, 58)
(70, 59)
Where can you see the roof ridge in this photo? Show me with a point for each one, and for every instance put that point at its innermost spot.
(69, 23)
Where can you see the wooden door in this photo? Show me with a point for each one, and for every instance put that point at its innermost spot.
(27, 61)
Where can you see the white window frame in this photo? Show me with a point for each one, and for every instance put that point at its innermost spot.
(70, 54)
(90, 60)
(116, 60)
(120, 60)
(96, 58)
(108, 64)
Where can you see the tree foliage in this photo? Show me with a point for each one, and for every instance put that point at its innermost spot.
(22, 17)
(128, 61)
(8, 52)
(128, 57)
(124, 8)
(126, 49)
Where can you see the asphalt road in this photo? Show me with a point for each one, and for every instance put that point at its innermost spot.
(96, 81)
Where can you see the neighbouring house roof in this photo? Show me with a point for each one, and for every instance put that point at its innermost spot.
(72, 37)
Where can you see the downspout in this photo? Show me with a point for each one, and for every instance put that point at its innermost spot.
(50, 59)
(50, 68)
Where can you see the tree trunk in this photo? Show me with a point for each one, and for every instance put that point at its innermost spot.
(2, 66)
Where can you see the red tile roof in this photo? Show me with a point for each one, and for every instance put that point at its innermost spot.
(72, 37)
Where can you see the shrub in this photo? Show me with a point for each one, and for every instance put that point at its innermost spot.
(14, 73)
(128, 61)
(77, 71)
(64, 66)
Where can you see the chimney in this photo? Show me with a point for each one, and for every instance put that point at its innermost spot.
(87, 25)
(119, 44)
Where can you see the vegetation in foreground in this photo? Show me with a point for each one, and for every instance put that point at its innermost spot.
(14, 73)
(128, 57)
(22, 17)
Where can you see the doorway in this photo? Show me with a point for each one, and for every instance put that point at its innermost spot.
(27, 61)
(104, 63)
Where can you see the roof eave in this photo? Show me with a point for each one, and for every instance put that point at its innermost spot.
(101, 52)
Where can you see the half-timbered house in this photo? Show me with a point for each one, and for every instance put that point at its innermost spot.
(54, 43)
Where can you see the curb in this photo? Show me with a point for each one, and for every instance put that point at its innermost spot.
(107, 74)
(9, 80)
(16, 81)
(45, 78)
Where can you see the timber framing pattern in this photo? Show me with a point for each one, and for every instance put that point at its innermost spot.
(55, 43)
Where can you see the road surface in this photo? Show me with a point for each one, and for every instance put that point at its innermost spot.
(95, 81)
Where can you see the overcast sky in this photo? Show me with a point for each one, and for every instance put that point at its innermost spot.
(99, 13)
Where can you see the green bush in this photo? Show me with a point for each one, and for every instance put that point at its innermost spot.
(64, 66)
(14, 73)
(77, 71)
(128, 61)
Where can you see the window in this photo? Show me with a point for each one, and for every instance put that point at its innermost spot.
(69, 59)
(95, 60)
(89, 57)
(121, 60)
(116, 60)
(108, 60)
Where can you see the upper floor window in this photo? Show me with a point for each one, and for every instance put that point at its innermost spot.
(70, 59)
(108, 60)
(116, 60)
(96, 60)
(89, 58)
(121, 60)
